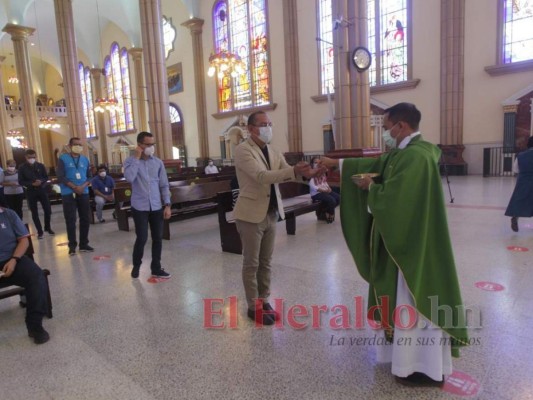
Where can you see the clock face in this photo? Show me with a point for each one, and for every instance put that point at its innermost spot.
(361, 58)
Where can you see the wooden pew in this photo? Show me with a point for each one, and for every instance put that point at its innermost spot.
(11, 290)
(192, 201)
(296, 201)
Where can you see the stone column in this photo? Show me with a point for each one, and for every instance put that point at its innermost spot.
(292, 75)
(343, 139)
(136, 54)
(5, 150)
(69, 67)
(452, 71)
(195, 26)
(19, 36)
(156, 75)
(361, 135)
(96, 74)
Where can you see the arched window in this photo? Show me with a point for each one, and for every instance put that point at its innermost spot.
(116, 67)
(87, 100)
(388, 40)
(325, 45)
(517, 31)
(240, 27)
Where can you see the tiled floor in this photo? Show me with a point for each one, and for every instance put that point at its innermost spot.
(114, 338)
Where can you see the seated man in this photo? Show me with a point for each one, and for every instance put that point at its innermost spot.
(103, 187)
(20, 270)
(211, 168)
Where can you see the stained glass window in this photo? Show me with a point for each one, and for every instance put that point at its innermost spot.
(174, 114)
(240, 27)
(116, 68)
(87, 100)
(325, 46)
(517, 30)
(389, 36)
(169, 35)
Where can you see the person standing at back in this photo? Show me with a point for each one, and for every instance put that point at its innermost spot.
(74, 175)
(33, 177)
(13, 191)
(150, 202)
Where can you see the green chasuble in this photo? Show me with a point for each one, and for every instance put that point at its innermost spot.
(406, 233)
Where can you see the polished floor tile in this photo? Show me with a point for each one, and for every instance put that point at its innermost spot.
(117, 338)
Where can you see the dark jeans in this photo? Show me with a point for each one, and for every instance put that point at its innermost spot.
(14, 201)
(39, 195)
(142, 219)
(70, 205)
(28, 275)
(329, 201)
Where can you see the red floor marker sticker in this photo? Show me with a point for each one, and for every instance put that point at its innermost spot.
(62, 244)
(489, 286)
(156, 280)
(104, 257)
(461, 384)
(517, 248)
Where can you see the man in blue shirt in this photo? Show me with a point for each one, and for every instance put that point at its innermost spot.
(20, 270)
(150, 202)
(103, 187)
(74, 176)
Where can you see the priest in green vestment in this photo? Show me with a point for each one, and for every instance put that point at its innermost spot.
(396, 229)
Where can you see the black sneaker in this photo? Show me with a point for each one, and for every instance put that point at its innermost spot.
(40, 236)
(514, 224)
(162, 274)
(72, 251)
(86, 249)
(39, 336)
(102, 221)
(50, 231)
(267, 319)
(135, 272)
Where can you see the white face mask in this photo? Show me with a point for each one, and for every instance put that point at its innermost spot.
(77, 149)
(102, 174)
(31, 160)
(11, 169)
(265, 134)
(210, 163)
(388, 139)
(149, 151)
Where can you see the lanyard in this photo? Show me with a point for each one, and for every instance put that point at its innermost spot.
(76, 163)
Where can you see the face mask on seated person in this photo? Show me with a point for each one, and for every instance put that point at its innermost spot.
(102, 174)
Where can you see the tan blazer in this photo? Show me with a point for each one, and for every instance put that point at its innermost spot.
(255, 179)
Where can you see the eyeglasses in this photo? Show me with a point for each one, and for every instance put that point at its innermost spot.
(264, 124)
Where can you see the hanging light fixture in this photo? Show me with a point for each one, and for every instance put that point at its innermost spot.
(48, 122)
(103, 104)
(13, 78)
(225, 62)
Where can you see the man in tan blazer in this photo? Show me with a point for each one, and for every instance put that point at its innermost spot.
(260, 169)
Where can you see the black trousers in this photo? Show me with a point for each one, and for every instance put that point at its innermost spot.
(329, 201)
(142, 219)
(28, 275)
(80, 204)
(39, 195)
(14, 201)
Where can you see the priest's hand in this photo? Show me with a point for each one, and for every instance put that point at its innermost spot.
(364, 184)
(329, 162)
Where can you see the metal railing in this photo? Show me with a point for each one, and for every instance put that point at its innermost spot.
(498, 161)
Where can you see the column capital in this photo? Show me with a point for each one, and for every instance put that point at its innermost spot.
(18, 32)
(96, 72)
(136, 52)
(194, 24)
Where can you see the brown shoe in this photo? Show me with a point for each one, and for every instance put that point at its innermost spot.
(514, 224)
(419, 379)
